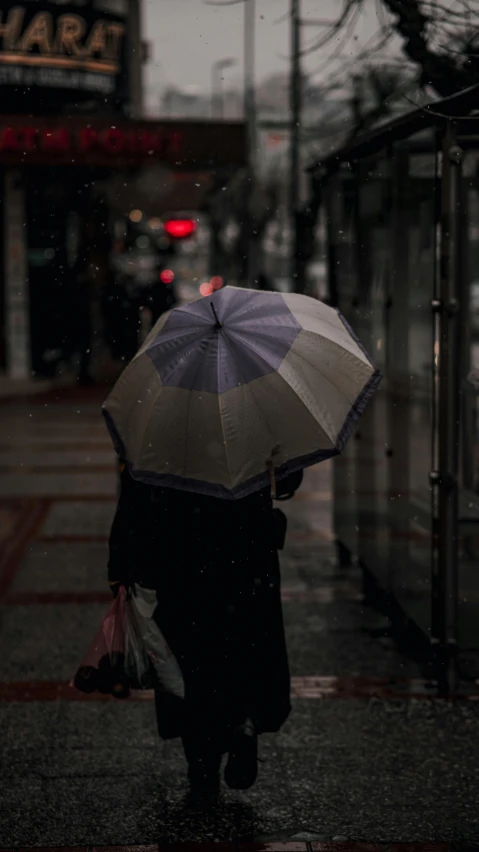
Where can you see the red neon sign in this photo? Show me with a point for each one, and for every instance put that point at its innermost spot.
(109, 141)
(178, 229)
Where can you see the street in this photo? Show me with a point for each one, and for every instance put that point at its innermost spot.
(368, 753)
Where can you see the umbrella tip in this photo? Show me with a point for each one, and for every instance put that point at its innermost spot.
(218, 324)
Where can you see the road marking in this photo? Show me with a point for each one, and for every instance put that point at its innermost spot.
(309, 687)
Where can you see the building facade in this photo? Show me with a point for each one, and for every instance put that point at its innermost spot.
(58, 61)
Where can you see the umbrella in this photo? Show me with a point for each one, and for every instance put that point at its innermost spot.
(236, 390)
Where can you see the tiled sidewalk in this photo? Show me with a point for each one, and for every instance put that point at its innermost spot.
(321, 846)
(369, 755)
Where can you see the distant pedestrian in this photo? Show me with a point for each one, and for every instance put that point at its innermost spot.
(264, 283)
(159, 298)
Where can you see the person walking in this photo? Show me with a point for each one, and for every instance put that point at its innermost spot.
(214, 565)
(228, 399)
(263, 282)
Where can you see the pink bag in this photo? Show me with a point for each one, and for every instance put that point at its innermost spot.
(103, 668)
(129, 652)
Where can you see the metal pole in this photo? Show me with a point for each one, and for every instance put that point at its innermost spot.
(135, 59)
(295, 110)
(445, 581)
(217, 100)
(214, 91)
(221, 104)
(16, 292)
(249, 79)
(250, 122)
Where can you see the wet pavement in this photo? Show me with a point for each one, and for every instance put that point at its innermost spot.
(369, 755)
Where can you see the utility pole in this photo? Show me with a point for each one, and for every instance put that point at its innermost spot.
(135, 59)
(249, 77)
(295, 116)
(249, 111)
(217, 95)
(250, 123)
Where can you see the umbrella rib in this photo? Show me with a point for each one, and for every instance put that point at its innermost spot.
(135, 402)
(188, 417)
(224, 441)
(183, 309)
(341, 349)
(342, 330)
(248, 307)
(155, 398)
(192, 332)
(325, 377)
(152, 334)
(221, 410)
(249, 346)
(321, 424)
(349, 402)
(269, 333)
(247, 386)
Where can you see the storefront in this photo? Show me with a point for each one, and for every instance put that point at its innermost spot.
(74, 150)
(402, 216)
(56, 59)
(61, 177)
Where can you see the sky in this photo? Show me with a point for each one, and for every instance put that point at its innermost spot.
(188, 36)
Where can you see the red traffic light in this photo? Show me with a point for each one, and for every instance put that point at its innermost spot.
(178, 229)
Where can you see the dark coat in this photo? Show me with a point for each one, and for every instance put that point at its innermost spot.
(214, 564)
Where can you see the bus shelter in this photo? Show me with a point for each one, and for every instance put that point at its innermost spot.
(401, 208)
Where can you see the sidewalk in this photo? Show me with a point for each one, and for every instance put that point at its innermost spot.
(14, 388)
(368, 754)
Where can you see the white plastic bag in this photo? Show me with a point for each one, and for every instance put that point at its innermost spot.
(137, 662)
(149, 662)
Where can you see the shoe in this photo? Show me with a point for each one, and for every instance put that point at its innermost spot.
(241, 769)
(203, 779)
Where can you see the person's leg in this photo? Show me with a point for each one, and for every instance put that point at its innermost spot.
(203, 756)
(205, 737)
(241, 769)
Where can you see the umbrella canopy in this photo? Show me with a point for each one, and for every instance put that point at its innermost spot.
(238, 389)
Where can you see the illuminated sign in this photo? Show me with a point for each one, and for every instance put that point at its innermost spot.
(119, 142)
(110, 141)
(43, 44)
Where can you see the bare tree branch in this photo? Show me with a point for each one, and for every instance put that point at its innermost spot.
(438, 69)
(348, 9)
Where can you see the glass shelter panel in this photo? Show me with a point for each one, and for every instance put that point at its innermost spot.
(406, 420)
(391, 240)
(374, 263)
(410, 374)
(343, 288)
(468, 519)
